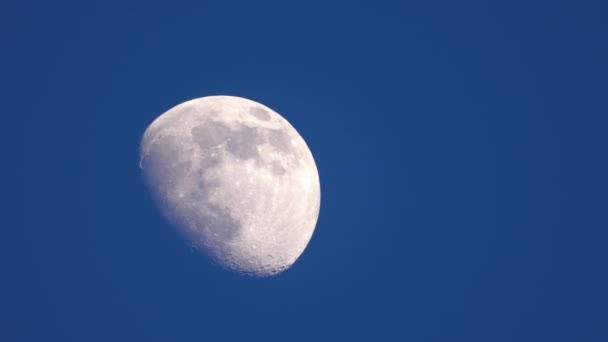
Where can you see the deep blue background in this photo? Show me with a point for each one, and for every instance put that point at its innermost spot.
(461, 147)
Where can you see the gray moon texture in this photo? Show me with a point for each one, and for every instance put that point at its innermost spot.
(236, 180)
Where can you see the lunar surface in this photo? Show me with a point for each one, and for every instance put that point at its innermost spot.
(236, 180)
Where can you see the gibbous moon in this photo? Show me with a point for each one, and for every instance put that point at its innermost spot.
(236, 180)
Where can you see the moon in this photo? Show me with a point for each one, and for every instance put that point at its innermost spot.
(236, 180)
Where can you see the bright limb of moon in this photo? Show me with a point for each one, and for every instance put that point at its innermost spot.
(236, 180)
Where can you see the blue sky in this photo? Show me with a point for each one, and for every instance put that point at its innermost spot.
(461, 148)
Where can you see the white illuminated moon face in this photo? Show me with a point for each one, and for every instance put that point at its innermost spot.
(236, 179)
